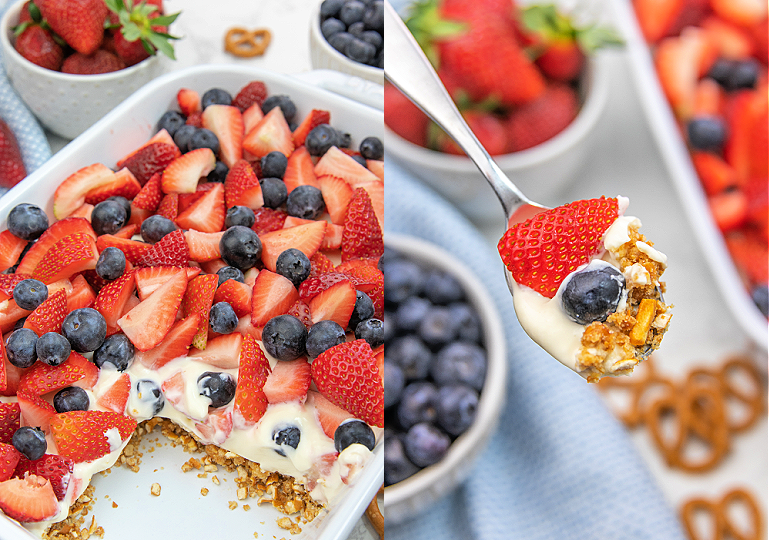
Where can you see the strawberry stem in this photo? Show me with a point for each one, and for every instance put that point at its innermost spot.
(137, 22)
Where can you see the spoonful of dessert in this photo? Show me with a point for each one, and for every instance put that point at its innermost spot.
(585, 283)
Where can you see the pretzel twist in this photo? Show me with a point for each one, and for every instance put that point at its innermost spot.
(722, 525)
(245, 43)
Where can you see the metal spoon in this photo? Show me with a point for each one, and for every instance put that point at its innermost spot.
(407, 68)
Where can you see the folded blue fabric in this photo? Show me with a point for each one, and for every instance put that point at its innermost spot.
(560, 466)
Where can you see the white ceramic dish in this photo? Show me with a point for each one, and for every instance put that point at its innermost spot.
(68, 104)
(677, 159)
(417, 493)
(324, 56)
(181, 511)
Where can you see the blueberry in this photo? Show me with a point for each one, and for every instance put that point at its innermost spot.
(283, 101)
(593, 293)
(460, 362)
(171, 121)
(352, 11)
(340, 41)
(759, 295)
(353, 431)
(332, 26)
(397, 465)
(240, 247)
(111, 263)
(706, 133)
(305, 202)
(222, 318)
(361, 160)
(456, 407)
(320, 139)
(330, 8)
(293, 265)
(374, 17)
(20, 347)
(356, 29)
(52, 348)
(116, 352)
(30, 441)
(216, 96)
(438, 327)
(394, 383)
(239, 215)
(156, 227)
(375, 38)
(108, 217)
(410, 313)
(286, 436)
(468, 322)
(85, 328)
(273, 164)
(217, 386)
(219, 174)
(425, 444)
(745, 74)
(322, 336)
(372, 331)
(360, 51)
(418, 404)
(389, 326)
(30, 293)
(125, 203)
(204, 138)
(27, 221)
(402, 279)
(721, 71)
(230, 272)
(148, 391)
(442, 288)
(363, 309)
(182, 137)
(379, 60)
(371, 148)
(274, 191)
(72, 398)
(284, 337)
(343, 139)
(411, 355)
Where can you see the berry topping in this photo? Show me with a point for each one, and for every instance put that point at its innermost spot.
(293, 265)
(156, 227)
(117, 352)
(305, 202)
(593, 293)
(222, 318)
(27, 221)
(286, 436)
(148, 391)
(284, 337)
(29, 499)
(20, 348)
(108, 217)
(353, 431)
(89, 435)
(240, 247)
(52, 348)
(30, 441)
(72, 398)
(323, 335)
(30, 293)
(239, 215)
(218, 387)
(85, 329)
(111, 264)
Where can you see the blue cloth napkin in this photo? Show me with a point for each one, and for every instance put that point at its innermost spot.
(560, 466)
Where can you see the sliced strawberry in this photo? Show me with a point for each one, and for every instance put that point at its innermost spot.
(320, 264)
(189, 101)
(332, 237)
(198, 299)
(68, 256)
(242, 186)
(28, 500)
(83, 435)
(741, 12)
(148, 323)
(300, 170)
(288, 381)
(329, 415)
(250, 401)
(187, 199)
(125, 185)
(714, 173)
(9, 459)
(731, 41)
(314, 285)
(82, 295)
(271, 134)
(337, 163)
(182, 174)
(254, 93)
(656, 17)
(8, 282)
(362, 236)
(132, 249)
(227, 124)
(11, 248)
(35, 411)
(301, 311)
(335, 304)
(376, 192)
(203, 246)
(161, 136)
(171, 250)
(9, 421)
(314, 118)
(126, 232)
(750, 254)
(48, 316)
(149, 278)
(677, 62)
(112, 298)
(150, 195)
(84, 211)
(268, 219)
(273, 295)
(730, 209)
(306, 238)
(116, 396)
(42, 378)
(169, 206)
(176, 343)
(377, 167)
(365, 278)
(337, 194)
(150, 160)
(237, 294)
(138, 215)
(217, 426)
(71, 193)
(251, 117)
(57, 469)
(207, 214)
(9, 314)
(746, 148)
(53, 234)
(221, 351)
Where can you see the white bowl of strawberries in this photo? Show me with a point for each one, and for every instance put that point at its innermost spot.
(534, 117)
(70, 78)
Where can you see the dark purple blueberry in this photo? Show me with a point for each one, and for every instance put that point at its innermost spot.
(286, 436)
(330, 8)
(759, 295)
(352, 11)
(239, 215)
(389, 326)
(72, 398)
(85, 328)
(371, 148)
(362, 310)
(182, 137)
(442, 288)
(397, 465)
(219, 174)
(332, 26)
(274, 192)
(456, 407)
(721, 70)
(273, 164)
(744, 75)
(394, 383)
(287, 106)
(425, 444)
(156, 227)
(460, 362)
(340, 41)
(204, 138)
(284, 337)
(410, 313)
(322, 336)
(30, 293)
(222, 318)
(411, 355)
(374, 16)
(353, 431)
(30, 441)
(593, 293)
(117, 352)
(216, 96)
(125, 203)
(171, 121)
(111, 263)
(293, 265)
(148, 391)
(321, 138)
(305, 202)
(375, 39)
(108, 217)
(372, 331)
(52, 348)
(219, 387)
(240, 247)
(438, 328)
(360, 51)
(361, 160)
(469, 324)
(706, 133)
(356, 29)
(402, 279)
(20, 347)
(230, 272)
(418, 404)
(27, 221)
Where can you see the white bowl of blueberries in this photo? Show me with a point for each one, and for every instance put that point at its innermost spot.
(347, 36)
(445, 373)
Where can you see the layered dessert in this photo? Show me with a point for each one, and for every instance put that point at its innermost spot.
(586, 286)
(221, 282)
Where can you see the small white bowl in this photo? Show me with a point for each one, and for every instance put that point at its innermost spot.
(68, 104)
(540, 172)
(324, 56)
(415, 494)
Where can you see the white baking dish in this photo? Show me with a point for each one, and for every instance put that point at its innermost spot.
(677, 159)
(181, 511)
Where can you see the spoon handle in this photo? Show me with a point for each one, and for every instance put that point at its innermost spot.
(407, 68)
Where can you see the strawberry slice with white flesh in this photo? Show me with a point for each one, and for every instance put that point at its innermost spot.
(226, 122)
(71, 194)
(272, 133)
(307, 238)
(182, 174)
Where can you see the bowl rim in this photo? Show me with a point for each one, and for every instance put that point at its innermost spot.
(597, 76)
(320, 41)
(493, 395)
(12, 13)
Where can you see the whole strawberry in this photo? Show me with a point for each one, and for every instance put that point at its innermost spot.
(100, 62)
(78, 22)
(12, 169)
(540, 120)
(38, 45)
(140, 29)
